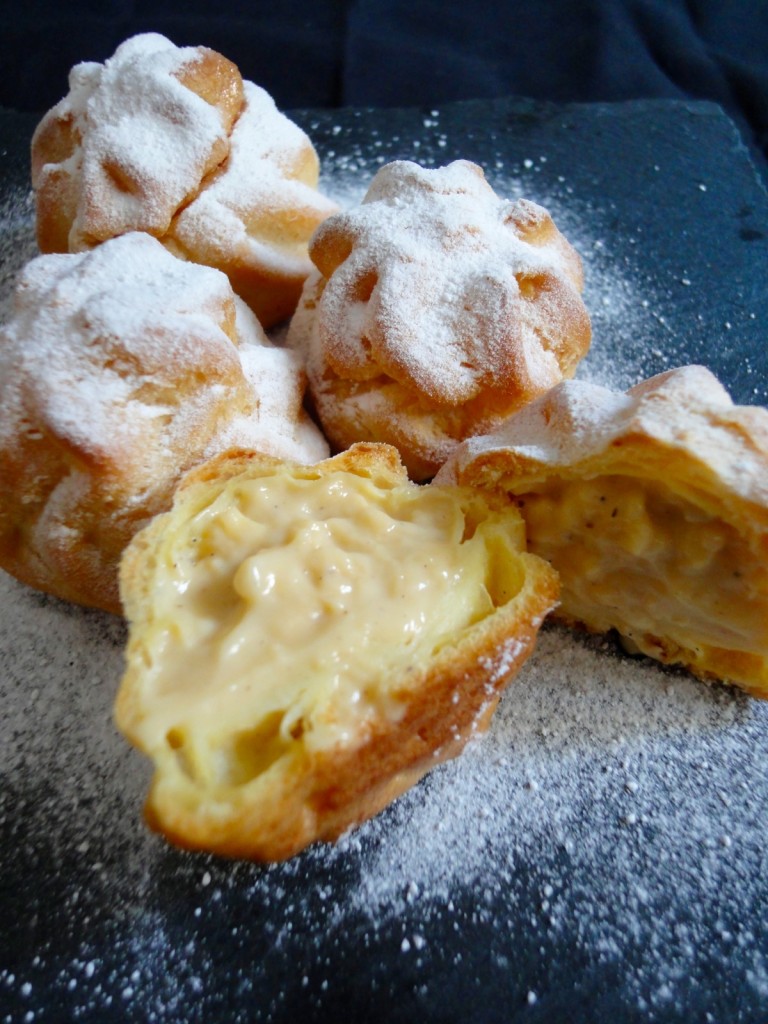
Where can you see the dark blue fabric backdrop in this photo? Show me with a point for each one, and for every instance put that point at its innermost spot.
(329, 53)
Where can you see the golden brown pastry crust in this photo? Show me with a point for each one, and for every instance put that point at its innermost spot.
(122, 368)
(173, 142)
(690, 471)
(437, 309)
(319, 792)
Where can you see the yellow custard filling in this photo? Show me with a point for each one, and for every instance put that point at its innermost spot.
(285, 606)
(636, 556)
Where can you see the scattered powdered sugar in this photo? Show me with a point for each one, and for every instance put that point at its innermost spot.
(599, 854)
(522, 791)
(602, 783)
(17, 243)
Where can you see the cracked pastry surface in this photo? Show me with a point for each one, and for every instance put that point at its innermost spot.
(171, 141)
(120, 369)
(306, 642)
(653, 507)
(436, 309)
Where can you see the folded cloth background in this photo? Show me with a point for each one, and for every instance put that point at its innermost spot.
(328, 53)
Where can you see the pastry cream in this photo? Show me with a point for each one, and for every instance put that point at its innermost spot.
(291, 602)
(306, 642)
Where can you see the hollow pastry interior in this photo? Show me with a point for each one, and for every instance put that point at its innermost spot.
(674, 578)
(653, 507)
(307, 641)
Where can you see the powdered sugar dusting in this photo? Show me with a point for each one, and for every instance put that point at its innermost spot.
(279, 424)
(171, 141)
(262, 206)
(100, 342)
(445, 254)
(599, 855)
(528, 780)
(601, 779)
(143, 306)
(17, 243)
(134, 121)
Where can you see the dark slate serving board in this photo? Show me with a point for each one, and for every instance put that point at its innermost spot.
(599, 858)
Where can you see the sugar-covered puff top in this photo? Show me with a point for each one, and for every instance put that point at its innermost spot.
(146, 126)
(680, 426)
(261, 204)
(439, 283)
(129, 356)
(138, 138)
